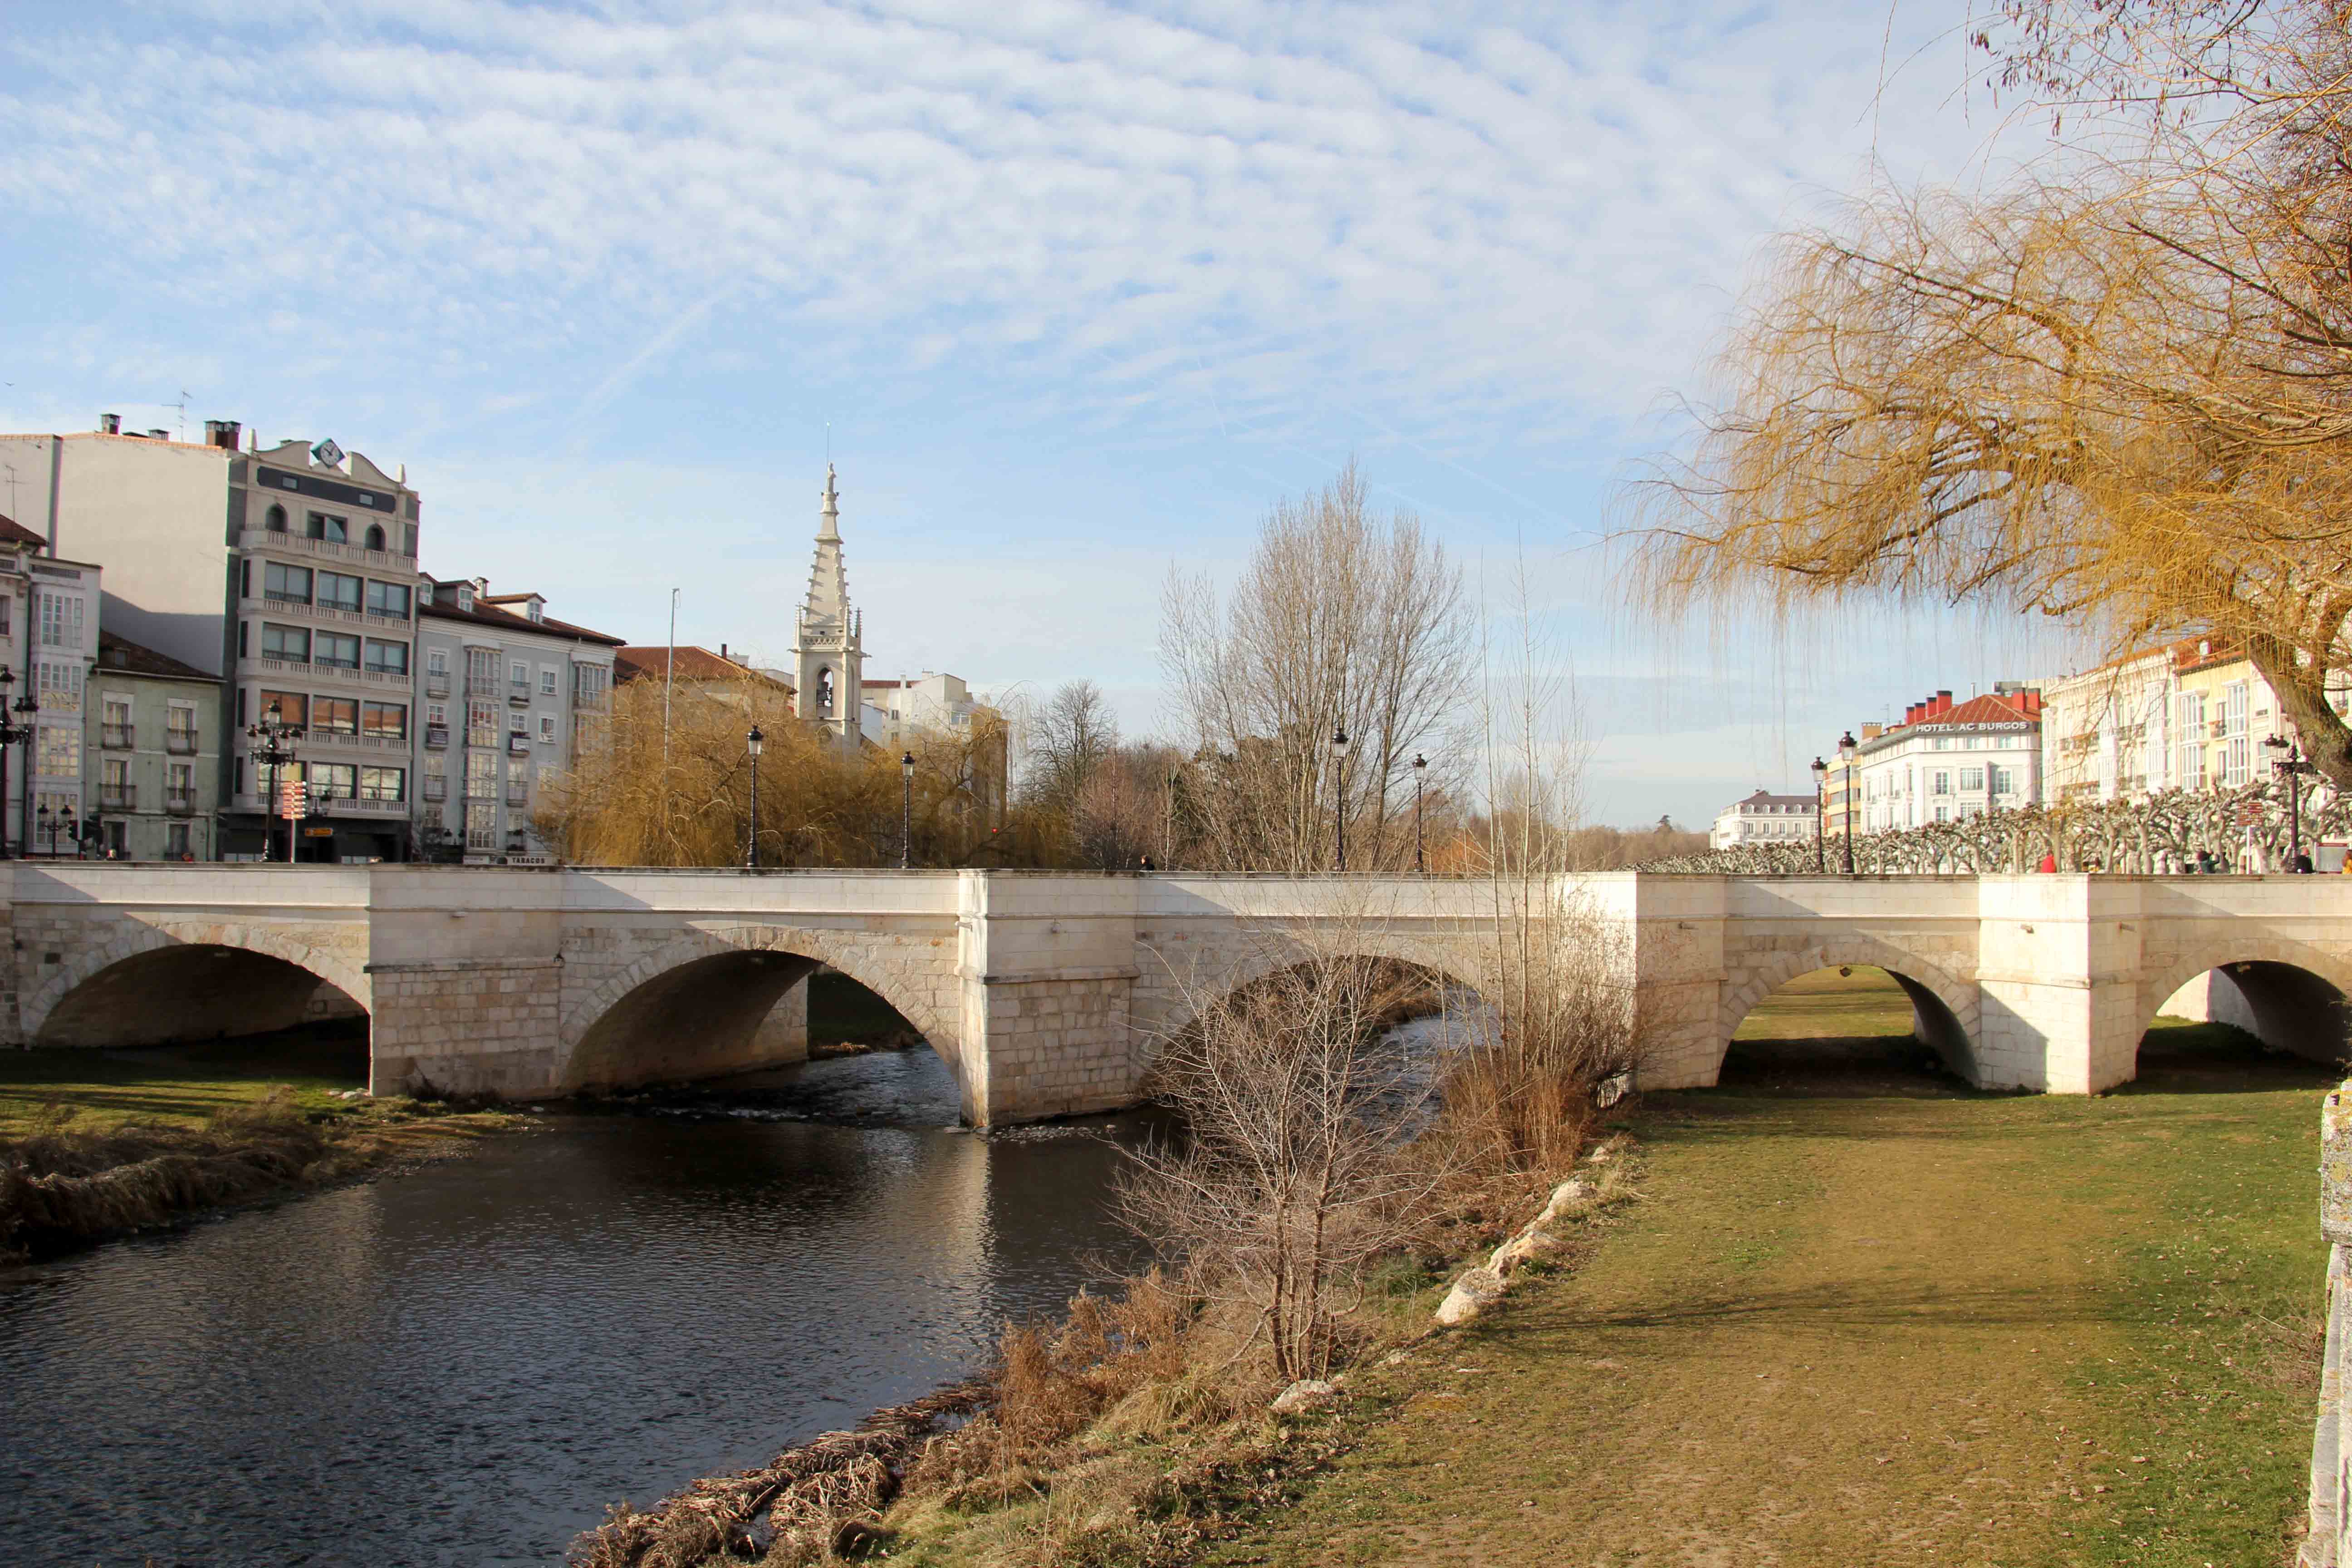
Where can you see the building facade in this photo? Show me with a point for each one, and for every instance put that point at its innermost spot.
(63, 602)
(1946, 761)
(151, 727)
(828, 644)
(509, 693)
(1764, 817)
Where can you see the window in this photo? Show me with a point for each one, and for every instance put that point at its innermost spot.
(387, 657)
(482, 670)
(60, 686)
(335, 716)
(114, 718)
(1972, 780)
(61, 620)
(481, 724)
(521, 674)
(336, 650)
(589, 682)
(383, 783)
(180, 730)
(292, 644)
(547, 680)
(518, 723)
(339, 591)
(2003, 781)
(481, 774)
(437, 661)
(2188, 714)
(386, 720)
(275, 520)
(180, 780)
(388, 599)
(114, 774)
(547, 729)
(293, 708)
(333, 530)
(59, 755)
(176, 841)
(1943, 784)
(1943, 744)
(376, 541)
(286, 585)
(2238, 753)
(408, 539)
(437, 715)
(481, 825)
(335, 779)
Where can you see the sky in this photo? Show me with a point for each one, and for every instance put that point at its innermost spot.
(1071, 294)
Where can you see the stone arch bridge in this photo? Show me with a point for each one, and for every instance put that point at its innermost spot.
(1044, 992)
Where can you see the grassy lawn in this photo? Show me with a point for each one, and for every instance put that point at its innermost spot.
(180, 1085)
(1920, 1326)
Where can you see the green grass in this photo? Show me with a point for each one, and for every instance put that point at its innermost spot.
(180, 1085)
(1920, 1326)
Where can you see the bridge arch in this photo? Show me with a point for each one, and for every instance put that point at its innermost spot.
(693, 1008)
(2292, 996)
(1166, 993)
(1947, 1008)
(164, 980)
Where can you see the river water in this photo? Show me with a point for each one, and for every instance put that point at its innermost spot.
(466, 1364)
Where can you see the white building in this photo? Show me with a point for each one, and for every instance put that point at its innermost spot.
(1763, 819)
(509, 693)
(1945, 760)
(2192, 716)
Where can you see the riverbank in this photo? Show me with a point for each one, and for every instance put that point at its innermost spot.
(1894, 1323)
(95, 1144)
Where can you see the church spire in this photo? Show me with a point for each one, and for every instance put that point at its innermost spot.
(829, 654)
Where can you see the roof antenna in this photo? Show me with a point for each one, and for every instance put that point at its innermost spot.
(183, 406)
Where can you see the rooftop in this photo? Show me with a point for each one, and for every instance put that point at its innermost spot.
(119, 653)
(693, 664)
(505, 619)
(14, 533)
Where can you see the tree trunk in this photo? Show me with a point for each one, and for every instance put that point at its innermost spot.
(2302, 696)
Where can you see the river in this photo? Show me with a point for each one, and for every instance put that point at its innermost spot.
(466, 1364)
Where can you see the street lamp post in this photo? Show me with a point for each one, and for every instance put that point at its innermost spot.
(27, 707)
(272, 744)
(1845, 755)
(10, 733)
(1820, 826)
(751, 840)
(60, 821)
(1419, 767)
(2292, 767)
(906, 820)
(1339, 793)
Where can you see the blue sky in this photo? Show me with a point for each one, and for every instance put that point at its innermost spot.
(1080, 290)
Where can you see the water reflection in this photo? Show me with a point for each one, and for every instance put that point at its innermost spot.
(464, 1364)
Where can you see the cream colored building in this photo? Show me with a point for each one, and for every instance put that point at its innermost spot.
(1947, 760)
(2191, 716)
(1764, 817)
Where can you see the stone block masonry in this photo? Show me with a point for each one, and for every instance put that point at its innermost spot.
(1047, 994)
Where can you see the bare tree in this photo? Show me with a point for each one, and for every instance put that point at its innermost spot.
(1293, 1173)
(1342, 622)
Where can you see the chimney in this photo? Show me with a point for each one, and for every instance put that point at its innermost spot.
(1943, 701)
(109, 424)
(222, 433)
(722, 650)
(1872, 732)
(159, 435)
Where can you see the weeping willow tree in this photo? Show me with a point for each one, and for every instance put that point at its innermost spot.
(644, 792)
(2124, 400)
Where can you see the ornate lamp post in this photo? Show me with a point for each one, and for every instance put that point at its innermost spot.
(10, 733)
(272, 744)
(2292, 767)
(26, 707)
(1845, 755)
(53, 824)
(751, 839)
(906, 822)
(1339, 793)
(1820, 826)
(1420, 765)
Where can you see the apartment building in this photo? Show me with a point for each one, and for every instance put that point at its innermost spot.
(1946, 761)
(289, 574)
(2192, 716)
(1764, 817)
(508, 694)
(151, 726)
(63, 599)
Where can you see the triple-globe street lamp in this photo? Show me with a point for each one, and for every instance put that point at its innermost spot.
(2293, 767)
(271, 743)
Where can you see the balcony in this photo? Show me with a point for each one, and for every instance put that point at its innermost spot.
(115, 737)
(179, 742)
(118, 797)
(437, 737)
(180, 801)
(481, 691)
(518, 794)
(437, 685)
(262, 539)
(518, 745)
(437, 789)
(518, 691)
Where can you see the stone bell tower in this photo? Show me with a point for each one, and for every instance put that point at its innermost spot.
(828, 651)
